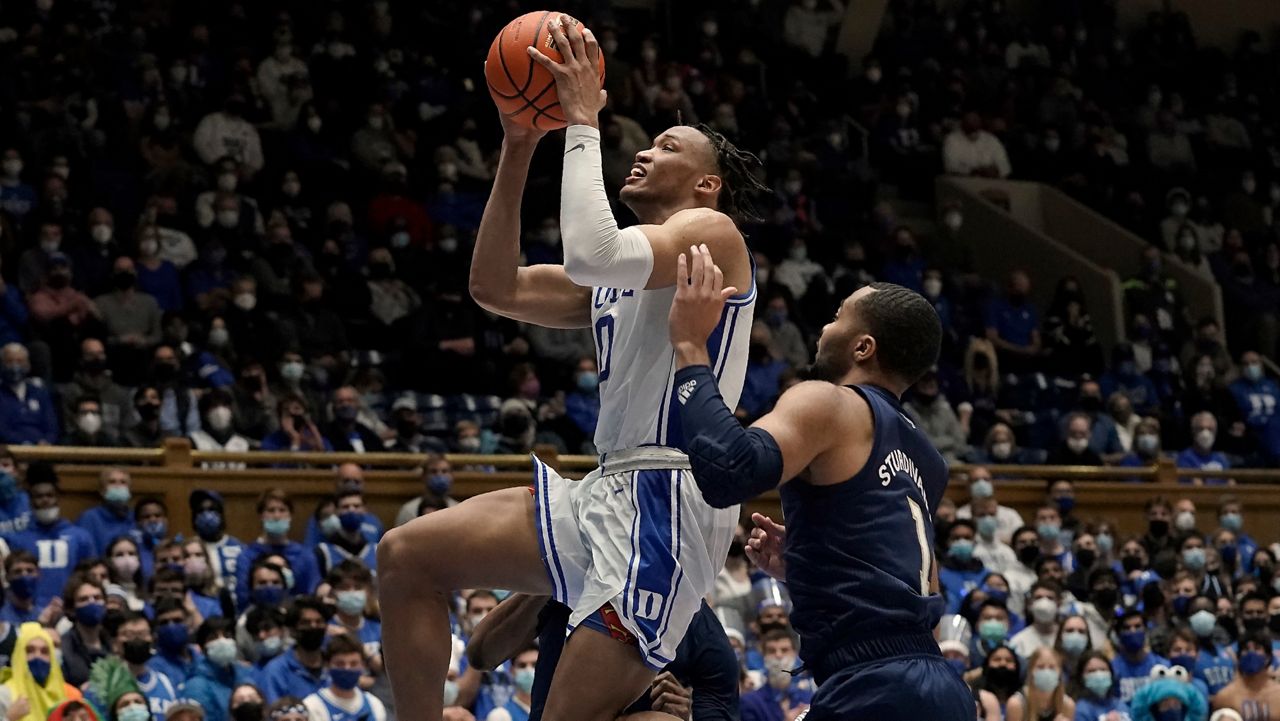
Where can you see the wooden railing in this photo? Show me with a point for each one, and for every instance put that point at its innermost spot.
(175, 470)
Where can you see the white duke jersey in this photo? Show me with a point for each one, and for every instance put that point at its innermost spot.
(638, 405)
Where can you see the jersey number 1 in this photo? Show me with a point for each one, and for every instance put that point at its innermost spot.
(923, 539)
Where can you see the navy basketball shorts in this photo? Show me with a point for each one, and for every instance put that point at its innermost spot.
(903, 687)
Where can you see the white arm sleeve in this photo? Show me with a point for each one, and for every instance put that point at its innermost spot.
(596, 252)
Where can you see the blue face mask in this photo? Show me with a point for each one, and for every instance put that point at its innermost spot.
(208, 524)
(1193, 558)
(440, 483)
(1045, 679)
(1105, 543)
(995, 593)
(330, 525)
(91, 614)
(172, 638)
(987, 526)
(961, 549)
(1202, 623)
(1065, 504)
(993, 630)
(351, 520)
(959, 664)
(1186, 661)
(588, 381)
(267, 596)
(1228, 553)
(1074, 643)
(40, 669)
(1252, 662)
(1180, 604)
(8, 486)
(134, 712)
(155, 529)
(1098, 682)
(1232, 522)
(24, 587)
(351, 602)
(1048, 531)
(345, 679)
(118, 495)
(524, 680)
(276, 526)
(1133, 641)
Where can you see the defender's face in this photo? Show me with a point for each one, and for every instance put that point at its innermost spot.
(678, 160)
(834, 358)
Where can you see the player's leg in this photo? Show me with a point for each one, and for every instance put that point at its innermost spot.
(597, 678)
(489, 541)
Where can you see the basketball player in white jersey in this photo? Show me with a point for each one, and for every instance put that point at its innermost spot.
(633, 548)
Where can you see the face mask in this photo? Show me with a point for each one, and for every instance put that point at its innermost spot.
(1180, 604)
(1193, 559)
(1002, 450)
(90, 423)
(1179, 209)
(1045, 679)
(470, 444)
(13, 167)
(24, 587)
(1131, 563)
(993, 630)
(134, 712)
(292, 371)
(1002, 678)
(208, 524)
(126, 566)
(330, 526)
(118, 495)
(155, 529)
(246, 301)
(1048, 531)
(227, 182)
(1105, 543)
(1273, 623)
(982, 488)
(1098, 682)
(310, 639)
(1104, 598)
(40, 669)
(1158, 528)
(1075, 642)
(588, 381)
(961, 549)
(959, 664)
(1252, 662)
(219, 418)
(267, 596)
(1133, 641)
(14, 374)
(91, 614)
(1253, 372)
(932, 287)
(345, 679)
(524, 680)
(221, 651)
(1202, 623)
(1184, 521)
(50, 245)
(987, 526)
(1077, 445)
(195, 568)
(1147, 443)
(1205, 439)
(351, 520)
(276, 526)
(793, 187)
(1231, 521)
(351, 602)
(218, 337)
(1184, 660)
(1028, 555)
(1044, 610)
(376, 122)
(439, 483)
(953, 220)
(248, 711)
(228, 218)
(1253, 623)
(101, 233)
(1085, 558)
(136, 652)
(270, 646)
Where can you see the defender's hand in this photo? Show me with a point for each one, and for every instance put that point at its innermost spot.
(699, 302)
(765, 546)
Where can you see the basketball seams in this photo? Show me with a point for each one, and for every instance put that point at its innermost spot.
(541, 116)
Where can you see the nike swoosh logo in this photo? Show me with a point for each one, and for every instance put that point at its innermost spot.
(579, 146)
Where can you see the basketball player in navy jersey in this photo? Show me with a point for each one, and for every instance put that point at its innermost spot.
(859, 485)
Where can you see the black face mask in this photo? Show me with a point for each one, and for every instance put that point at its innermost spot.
(149, 411)
(779, 626)
(1090, 404)
(1158, 528)
(1000, 678)
(1028, 555)
(1130, 563)
(311, 639)
(1273, 623)
(1105, 597)
(137, 652)
(247, 711)
(1254, 624)
(124, 280)
(93, 366)
(1085, 558)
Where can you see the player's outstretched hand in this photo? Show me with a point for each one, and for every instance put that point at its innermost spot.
(700, 297)
(578, 77)
(764, 548)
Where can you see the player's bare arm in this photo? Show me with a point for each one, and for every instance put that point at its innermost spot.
(675, 207)
(505, 632)
(540, 294)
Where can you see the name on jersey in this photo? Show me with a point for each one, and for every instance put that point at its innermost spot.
(899, 462)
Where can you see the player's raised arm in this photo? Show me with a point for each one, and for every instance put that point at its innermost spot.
(679, 205)
(540, 294)
(730, 463)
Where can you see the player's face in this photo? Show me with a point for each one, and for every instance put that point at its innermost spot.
(836, 345)
(675, 167)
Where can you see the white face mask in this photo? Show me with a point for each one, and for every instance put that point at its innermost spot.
(1184, 521)
(1205, 438)
(228, 218)
(314, 123)
(376, 122)
(1001, 450)
(161, 121)
(219, 418)
(13, 167)
(1077, 445)
(89, 422)
(953, 220)
(101, 233)
(227, 182)
(932, 287)
(219, 337)
(246, 301)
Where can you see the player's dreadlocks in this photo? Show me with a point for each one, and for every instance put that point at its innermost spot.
(736, 170)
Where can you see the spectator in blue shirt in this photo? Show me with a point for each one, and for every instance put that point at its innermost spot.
(1255, 394)
(1146, 445)
(57, 545)
(350, 477)
(275, 508)
(218, 672)
(27, 415)
(300, 670)
(782, 693)
(1125, 379)
(1099, 695)
(582, 404)
(15, 505)
(345, 541)
(175, 657)
(904, 266)
(1013, 325)
(1231, 517)
(761, 387)
(1132, 665)
(960, 572)
(156, 275)
(297, 431)
(352, 585)
(134, 642)
(210, 523)
(23, 574)
(1201, 455)
(13, 314)
(113, 517)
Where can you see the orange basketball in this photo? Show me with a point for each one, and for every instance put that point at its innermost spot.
(524, 90)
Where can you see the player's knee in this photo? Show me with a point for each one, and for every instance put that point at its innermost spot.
(393, 551)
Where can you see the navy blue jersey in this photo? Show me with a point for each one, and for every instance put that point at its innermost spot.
(704, 662)
(858, 553)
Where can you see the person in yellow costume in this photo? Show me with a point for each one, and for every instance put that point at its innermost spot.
(34, 685)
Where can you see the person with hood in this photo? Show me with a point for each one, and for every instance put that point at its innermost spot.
(208, 517)
(113, 688)
(35, 686)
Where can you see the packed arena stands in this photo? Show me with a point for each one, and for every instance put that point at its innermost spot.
(249, 224)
